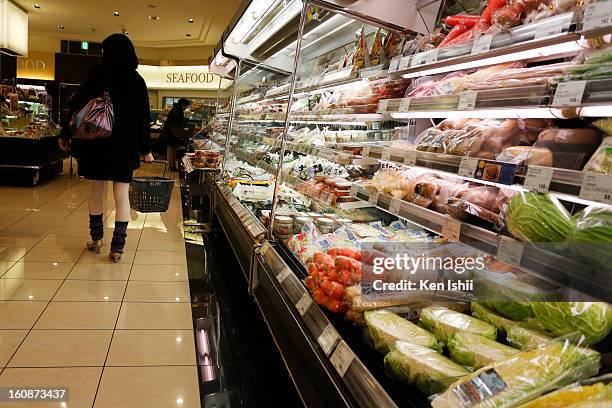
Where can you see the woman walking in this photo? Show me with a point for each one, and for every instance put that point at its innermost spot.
(113, 158)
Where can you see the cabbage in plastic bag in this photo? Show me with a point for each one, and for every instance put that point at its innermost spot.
(445, 322)
(525, 338)
(487, 315)
(598, 395)
(386, 328)
(474, 351)
(591, 237)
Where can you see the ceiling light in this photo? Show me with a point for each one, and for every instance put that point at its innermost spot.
(179, 339)
(31, 297)
(61, 27)
(153, 18)
(190, 20)
(179, 401)
(188, 35)
(115, 13)
(37, 6)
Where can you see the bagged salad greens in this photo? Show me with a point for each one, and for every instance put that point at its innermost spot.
(430, 371)
(536, 217)
(386, 328)
(598, 395)
(592, 319)
(445, 322)
(522, 377)
(474, 351)
(591, 237)
(525, 338)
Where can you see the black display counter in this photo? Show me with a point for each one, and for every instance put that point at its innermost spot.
(27, 162)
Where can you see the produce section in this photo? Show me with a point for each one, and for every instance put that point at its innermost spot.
(344, 158)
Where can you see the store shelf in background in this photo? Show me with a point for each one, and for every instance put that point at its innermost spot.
(246, 217)
(554, 268)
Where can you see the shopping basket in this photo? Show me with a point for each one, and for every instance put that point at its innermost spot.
(151, 194)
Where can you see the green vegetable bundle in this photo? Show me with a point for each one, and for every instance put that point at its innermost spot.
(386, 328)
(474, 351)
(445, 322)
(591, 237)
(430, 371)
(536, 217)
(522, 377)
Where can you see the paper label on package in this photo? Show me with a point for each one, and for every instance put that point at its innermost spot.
(451, 229)
(482, 44)
(394, 207)
(304, 303)
(354, 190)
(328, 338)
(404, 63)
(373, 198)
(395, 63)
(467, 100)
(424, 58)
(538, 178)
(555, 26)
(597, 15)
(382, 106)
(479, 388)
(468, 165)
(597, 187)
(365, 152)
(404, 105)
(342, 358)
(386, 154)
(410, 158)
(510, 250)
(569, 93)
(283, 274)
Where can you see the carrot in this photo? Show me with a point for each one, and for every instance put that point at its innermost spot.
(461, 19)
(454, 33)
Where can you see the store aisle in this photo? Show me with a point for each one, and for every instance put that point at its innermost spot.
(117, 335)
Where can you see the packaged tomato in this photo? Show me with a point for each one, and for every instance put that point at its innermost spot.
(320, 297)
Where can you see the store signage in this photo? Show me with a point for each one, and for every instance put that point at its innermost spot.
(37, 65)
(181, 77)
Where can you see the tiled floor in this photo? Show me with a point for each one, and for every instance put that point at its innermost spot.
(118, 335)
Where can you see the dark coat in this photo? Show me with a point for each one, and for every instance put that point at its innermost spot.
(172, 132)
(116, 157)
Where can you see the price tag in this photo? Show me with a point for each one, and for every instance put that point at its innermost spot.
(404, 105)
(304, 303)
(468, 165)
(451, 229)
(187, 164)
(510, 251)
(373, 198)
(538, 178)
(365, 152)
(404, 63)
(481, 44)
(424, 58)
(597, 15)
(549, 28)
(342, 358)
(382, 106)
(394, 64)
(394, 207)
(410, 158)
(328, 338)
(354, 190)
(467, 100)
(386, 154)
(569, 93)
(284, 274)
(597, 187)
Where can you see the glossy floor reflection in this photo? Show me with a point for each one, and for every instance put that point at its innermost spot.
(118, 335)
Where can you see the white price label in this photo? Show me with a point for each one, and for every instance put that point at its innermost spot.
(404, 63)
(386, 154)
(187, 164)
(547, 29)
(597, 187)
(342, 358)
(382, 106)
(404, 105)
(467, 100)
(394, 64)
(354, 190)
(304, 303)
(284, 274)
(569, 93)
(510, 250)
(365, 152)
(328, 338)
(451, 229)
(394, 207)
(468, 165)
(424, 58)
(482, 44)
(597, 15)
(538, 178)
(410, 158)
(373, 198)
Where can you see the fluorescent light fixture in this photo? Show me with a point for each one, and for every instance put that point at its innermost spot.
(251, 16)
(13, 29)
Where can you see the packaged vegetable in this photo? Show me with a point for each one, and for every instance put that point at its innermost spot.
(375, 52)
(598, 395)
(592, 319)
(601, 161)
(474, 214)
(386, 328)
(474, 351)
(591, 237)
(455, 32)
(536, 217)
(445, 322)
(524, 338)
(430, 371)
(487, 315)
(522, 377)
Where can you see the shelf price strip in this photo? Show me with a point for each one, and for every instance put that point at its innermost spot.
(538, 179)
(510, 250)
(467, 100)
(468, 165)
(424, 58)
(373, 198)
(569, 93)
(481, 44)
(597, 15)
(451, 229)
(404, 105)
(394, 207)
(342, 358)
(394, 65)
(304, 303)
(410, 158)
(327, 339)
(283, 274)
(383, 104)
(597, 187)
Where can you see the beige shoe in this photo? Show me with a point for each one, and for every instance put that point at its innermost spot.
(95, 245)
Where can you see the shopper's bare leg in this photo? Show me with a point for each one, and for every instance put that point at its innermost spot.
(171, 157)
(96, 212)
(122, 216)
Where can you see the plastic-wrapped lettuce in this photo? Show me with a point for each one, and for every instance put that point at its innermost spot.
(386, 328)
(593, 319)
(583, 396)
(487, 315)
(522, 377)
(474, 351)
(430, 371)
(591, 237)
(524, 338)
(445, 322)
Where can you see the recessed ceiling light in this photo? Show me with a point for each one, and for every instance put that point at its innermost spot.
(188, 35)
(36, 6)
(155, 18)
(115, 13)
(191, 20)
(61, 27)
